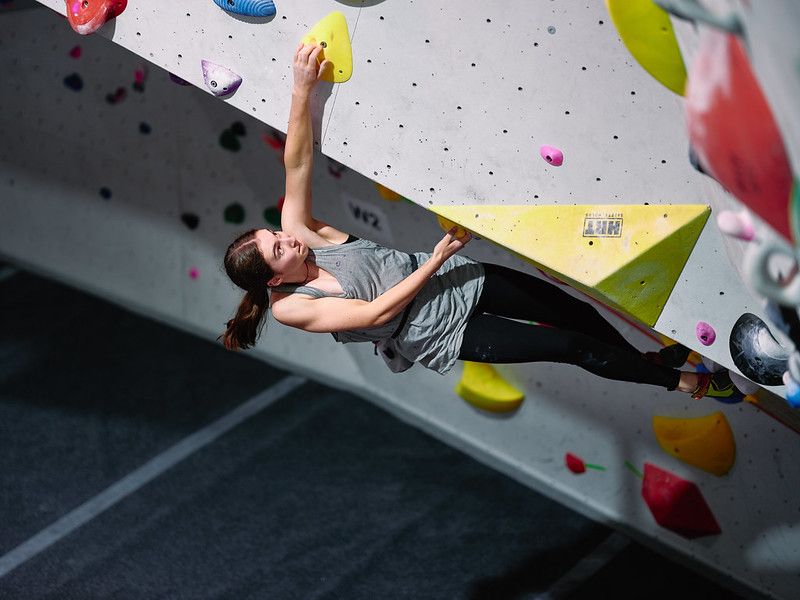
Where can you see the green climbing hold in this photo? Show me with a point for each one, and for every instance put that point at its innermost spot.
(273, 216)
(229, 141)
(234, 213)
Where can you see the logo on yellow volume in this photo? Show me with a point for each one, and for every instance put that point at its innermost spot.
(597, 225)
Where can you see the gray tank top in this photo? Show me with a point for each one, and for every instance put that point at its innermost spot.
(434, 329)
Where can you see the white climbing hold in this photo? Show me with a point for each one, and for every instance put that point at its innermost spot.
(736, 224)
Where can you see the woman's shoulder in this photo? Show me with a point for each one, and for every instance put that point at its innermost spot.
(280, 302)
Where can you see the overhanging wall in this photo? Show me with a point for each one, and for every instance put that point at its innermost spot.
(469, 135)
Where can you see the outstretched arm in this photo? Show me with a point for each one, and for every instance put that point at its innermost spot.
(299, 151)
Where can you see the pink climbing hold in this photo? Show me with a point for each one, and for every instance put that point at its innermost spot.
(705, 333)
(552, 155)
(194, 273)
(139, 75)
(738, 225)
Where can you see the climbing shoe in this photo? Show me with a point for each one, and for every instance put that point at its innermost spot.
(673, 356)
(718, 386)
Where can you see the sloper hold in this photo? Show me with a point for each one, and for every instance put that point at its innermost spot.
(220, 80)
(677, 504)
(331, 33)
(87, 16)
(645, 29)
(755, 351)
(248, 8)
(703, 442)
(484, 388)
(628, 257)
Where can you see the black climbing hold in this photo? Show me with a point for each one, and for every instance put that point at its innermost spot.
(756, 352)
(190, 220)
(74, 82)
(273, 216)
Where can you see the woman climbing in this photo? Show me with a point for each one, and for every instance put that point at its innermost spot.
(432, 308)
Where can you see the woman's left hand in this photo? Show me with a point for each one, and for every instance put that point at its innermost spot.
(449, 245)
(307, 70)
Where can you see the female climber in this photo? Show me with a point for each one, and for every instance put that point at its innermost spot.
(432, 308)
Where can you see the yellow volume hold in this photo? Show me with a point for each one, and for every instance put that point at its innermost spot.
(627, 256)
(331, 33)
(646, 30)
(485, 388)
(703, 442)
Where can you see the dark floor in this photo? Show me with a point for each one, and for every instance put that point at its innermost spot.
(319, 495)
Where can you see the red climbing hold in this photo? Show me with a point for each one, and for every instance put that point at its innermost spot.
(677, 504)
(574, 463)
(87, 16)
(274, 140)
(732, 129)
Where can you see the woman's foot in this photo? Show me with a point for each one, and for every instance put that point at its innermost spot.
(714, 385)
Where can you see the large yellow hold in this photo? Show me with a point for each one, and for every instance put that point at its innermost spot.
(703, 442)
(627, 256)
(484, 388)
(331, 33)
(646, 30)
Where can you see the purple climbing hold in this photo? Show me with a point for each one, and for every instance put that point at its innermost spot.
(552, 155)
(705, 333)
(220, 80)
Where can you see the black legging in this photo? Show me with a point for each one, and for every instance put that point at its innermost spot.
(578, 334)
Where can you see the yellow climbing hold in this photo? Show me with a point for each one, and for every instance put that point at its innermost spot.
(331, 33)
(646, 30)
(484, 388)
(447, 225)
(626, 256)
(704, 442)
(387, 194)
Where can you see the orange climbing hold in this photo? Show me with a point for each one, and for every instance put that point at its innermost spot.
(704, 442)
(447, 225)
(388, 194)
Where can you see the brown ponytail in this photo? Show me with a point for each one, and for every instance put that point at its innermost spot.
(247, 268)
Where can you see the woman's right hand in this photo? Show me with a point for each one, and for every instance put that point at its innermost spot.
(450, 245)
(306, 68)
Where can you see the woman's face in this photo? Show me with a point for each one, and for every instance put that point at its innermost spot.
(283, 252)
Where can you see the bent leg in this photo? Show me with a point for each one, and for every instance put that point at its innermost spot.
(517, 295)
(493, 339)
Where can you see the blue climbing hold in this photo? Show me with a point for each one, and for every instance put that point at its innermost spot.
(248, 8)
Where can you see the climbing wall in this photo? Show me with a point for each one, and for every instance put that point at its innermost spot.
(117, 179)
